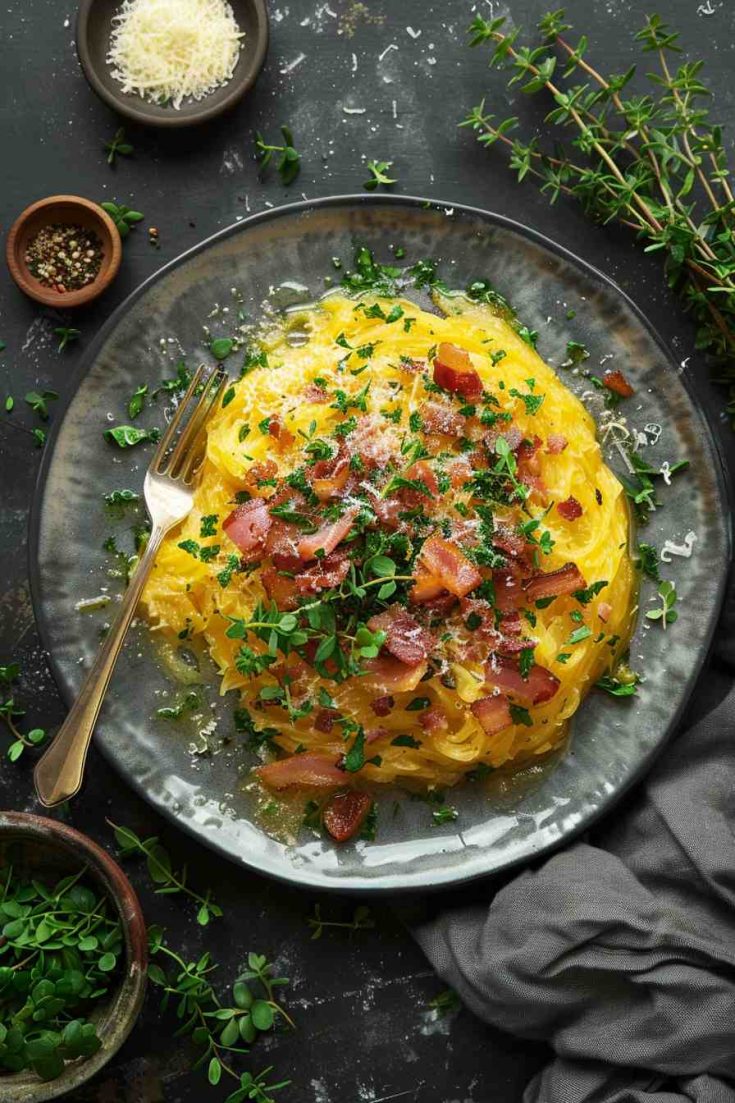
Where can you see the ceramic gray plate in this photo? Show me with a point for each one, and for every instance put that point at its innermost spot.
(613, 741)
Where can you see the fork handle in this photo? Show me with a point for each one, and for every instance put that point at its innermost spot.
(59, 772)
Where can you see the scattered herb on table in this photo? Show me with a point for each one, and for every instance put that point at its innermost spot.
(9, 403)
(126, 436)
(221, 1031)
(137, 401)
(38, 402)
(121, 498)
(162, 873)
(66, 335)
(10, 712)
(622, 683)
(221, 347)
(445, 1003)
(60, 950)
(64, 256)
(379, 175)
(122, 216)
(289, 164)
(118, 145)
(655, 163)
(362, 920)
(445, 814)
(187, 703)
(666, 612)
(39, 436)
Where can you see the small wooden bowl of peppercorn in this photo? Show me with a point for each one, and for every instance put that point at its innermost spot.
(73, 946)
(63, 251)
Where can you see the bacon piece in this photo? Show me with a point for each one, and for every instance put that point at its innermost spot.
(508, 590)
(504, 673)
(475, 607)
(330, 481)
(527, 453)
(344, 814)
(556, 443)
(282, 546)
(328, 536)
(324, 574)
(511, 623)
(279, 588)
(426, 588)
(492, 713)
(565, 580)
(404, 636)
(248, 526)
(616, 381)
(512, 544)
(390, 675)
(386, 510)
(382, 706)
(604, 609)
(259, 473)
(433, 720)
(513, 437)
(314, 393)
(451, 568)
(421, 472)
(439, 606)
(453, 371)
(440, 418)
(279, 432)
(325, 719)
(459, 471)
(570, 509)
(374, 442)
(309, 770)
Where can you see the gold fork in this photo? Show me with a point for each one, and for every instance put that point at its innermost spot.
(169, 494)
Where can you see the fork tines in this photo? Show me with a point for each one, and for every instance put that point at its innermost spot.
(182, 446)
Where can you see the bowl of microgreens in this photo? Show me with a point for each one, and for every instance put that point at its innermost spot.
(73, 958)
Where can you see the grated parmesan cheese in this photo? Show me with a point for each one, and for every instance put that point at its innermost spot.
(169, 50)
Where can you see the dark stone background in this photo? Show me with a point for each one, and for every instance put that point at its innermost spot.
(360, 1001)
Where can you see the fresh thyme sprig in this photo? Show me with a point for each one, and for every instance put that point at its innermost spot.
(654, 162)
(10, 712)
(218, 1030)
(362, 920)
(118, 146)
(378, 175)
(162, 873)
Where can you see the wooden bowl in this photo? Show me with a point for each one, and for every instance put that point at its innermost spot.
(46, 848)
(65, 209)
(94, 25)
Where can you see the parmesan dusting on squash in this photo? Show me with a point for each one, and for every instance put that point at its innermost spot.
(169, 50)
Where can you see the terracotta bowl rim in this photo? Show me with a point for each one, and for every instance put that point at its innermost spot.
(46, 295)
(130, 992)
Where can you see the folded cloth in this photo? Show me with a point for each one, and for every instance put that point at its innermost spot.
(622, 955)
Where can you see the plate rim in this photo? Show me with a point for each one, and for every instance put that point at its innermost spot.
(361, 885)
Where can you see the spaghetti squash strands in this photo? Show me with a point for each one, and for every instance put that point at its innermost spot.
(170, 50)
(287, 623)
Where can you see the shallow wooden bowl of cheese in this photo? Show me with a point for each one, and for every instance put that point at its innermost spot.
(94, 32)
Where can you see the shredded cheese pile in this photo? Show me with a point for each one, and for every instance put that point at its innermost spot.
(577, 642)
(170, 50)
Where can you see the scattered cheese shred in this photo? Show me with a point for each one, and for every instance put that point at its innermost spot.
(169, 50)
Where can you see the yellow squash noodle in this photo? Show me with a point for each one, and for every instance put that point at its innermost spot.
(347, 346)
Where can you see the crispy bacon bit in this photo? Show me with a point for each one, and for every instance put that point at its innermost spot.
(604, 609)
(279, 588)
(513, 437)
(459, 471)
(565, 580)
(382, 706)
(279, 432)
(570, 509)
(616, 381)
(324, 720)
(475, 609)
(386, 510)
(426, 588)
(404, 636)
(324, 574)
(374, 442)
(527, 453)
(328, 536)
(433, 720)
(512, 544)
(440, 418)
(448, 565)
(319, 771)
(511, 623)
(556, 443)
(508, 590)
(392, 676)
(344, 814)
(258, 474)
(248, 526)
(505, 674)
(314, 393)
(282, 545)
(492, 713)
(329, 477)
(421, 472)
(453, 371)
(438, 607)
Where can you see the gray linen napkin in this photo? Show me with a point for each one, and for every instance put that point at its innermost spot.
(622, 955)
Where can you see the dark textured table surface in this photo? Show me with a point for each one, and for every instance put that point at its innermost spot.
(388, 79)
